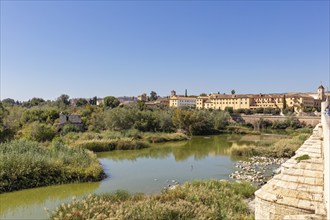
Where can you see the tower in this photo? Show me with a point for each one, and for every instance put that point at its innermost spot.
(320, 93)
(173, 93)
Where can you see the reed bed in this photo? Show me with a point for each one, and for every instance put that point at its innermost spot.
(99, 145)
(281, 148)
(115, 140)
(211, 199)
(27, 164)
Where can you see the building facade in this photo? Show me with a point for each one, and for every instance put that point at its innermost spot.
(298, 101)
(181, 101)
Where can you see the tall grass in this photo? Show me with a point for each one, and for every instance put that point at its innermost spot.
(197, 200)
(27, 164)
(114, 140)
(111, 144)
(164, 137)
(281, 148)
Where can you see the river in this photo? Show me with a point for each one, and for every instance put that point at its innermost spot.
(147, 170)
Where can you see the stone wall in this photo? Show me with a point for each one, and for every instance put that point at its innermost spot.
(309, 120)
(298, 191)
(76, 119)
(326, 148)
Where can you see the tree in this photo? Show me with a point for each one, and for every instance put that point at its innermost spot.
(97, 121)
(110, 102)
(230, 110)
(146, 121)
(203, 94)
(165, 121)
(3, 113)
(120, 118)
(11, 122)
(93, 101)
(38, 132)
(36, 101)
(81, 102)
(9, 101)
(284, 102)
(233, 92)
(68, 127)
(153, 96)
(63, 99)
(141, 105)
(221, 119)
(182, 119)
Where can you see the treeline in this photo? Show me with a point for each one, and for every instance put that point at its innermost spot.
(39, 122)
(269, 111)
(190, 121)
(290, 122)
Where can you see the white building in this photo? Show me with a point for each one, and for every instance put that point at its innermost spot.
(181, 101)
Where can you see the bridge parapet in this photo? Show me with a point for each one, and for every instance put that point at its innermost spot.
(298, 192)
(325, 120)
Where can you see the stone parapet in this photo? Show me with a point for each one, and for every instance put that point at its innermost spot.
(325, 120)
(299, 189)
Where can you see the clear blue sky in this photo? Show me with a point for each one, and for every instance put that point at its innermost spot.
(100, 48)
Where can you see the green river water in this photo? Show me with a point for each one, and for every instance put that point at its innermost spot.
(146, 170)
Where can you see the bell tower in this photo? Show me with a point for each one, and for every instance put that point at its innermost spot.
(320, 93)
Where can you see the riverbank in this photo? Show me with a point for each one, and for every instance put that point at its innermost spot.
(113, 140)
(264, 158)
(257, 170)
(284, 147)
(27, 164)
(211, 199)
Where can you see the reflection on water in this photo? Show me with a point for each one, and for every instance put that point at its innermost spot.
(147, 170)
(198, 147)
(30, 203)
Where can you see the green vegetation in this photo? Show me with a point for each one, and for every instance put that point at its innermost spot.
(38, 132)
(109, 127)
(268, 111)
(110, 102)
(118, 140)
(285, 147)
(197, 200)
(17, 120)
(163, 137)
(303, 157)
(27, 164)
(109, 145)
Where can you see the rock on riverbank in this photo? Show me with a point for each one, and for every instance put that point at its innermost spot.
(258, 170)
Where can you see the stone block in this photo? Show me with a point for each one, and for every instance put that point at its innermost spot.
(304, 204)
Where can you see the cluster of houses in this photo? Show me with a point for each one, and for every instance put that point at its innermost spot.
(219, 101)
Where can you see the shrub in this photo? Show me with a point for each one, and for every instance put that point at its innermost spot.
(111, 144)
(68, 127)
(281, 148)
(248, 111)
(229, 110)
(39, 132)
(303, 157)
(164, 137)
(238, 129)
(27, 164)
(197, 200)
(244, 151)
